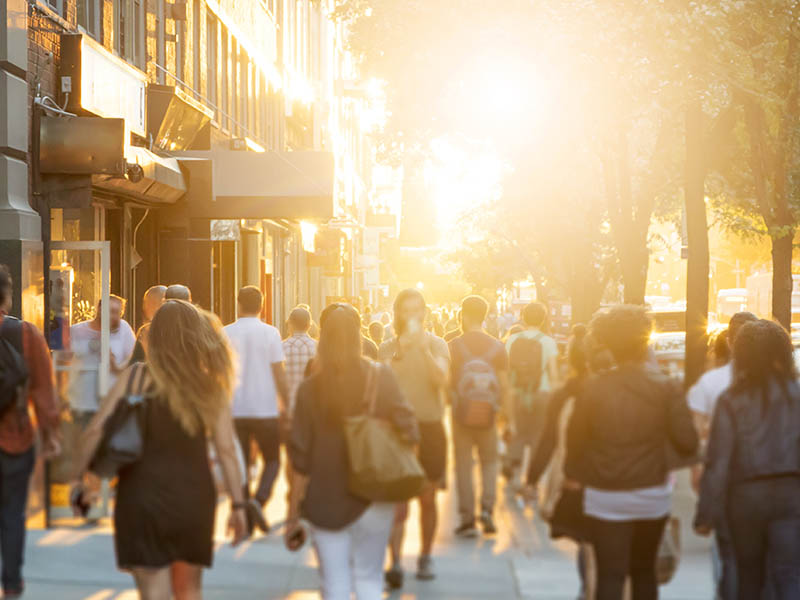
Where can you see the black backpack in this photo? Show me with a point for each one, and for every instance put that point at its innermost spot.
(525, 361)
(13, 370)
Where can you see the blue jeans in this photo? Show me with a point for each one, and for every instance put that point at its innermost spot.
(764, 517)
(15, 474)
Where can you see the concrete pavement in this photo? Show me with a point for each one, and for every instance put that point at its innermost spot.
(520, 562)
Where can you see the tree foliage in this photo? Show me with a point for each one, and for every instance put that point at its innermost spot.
(622, 78)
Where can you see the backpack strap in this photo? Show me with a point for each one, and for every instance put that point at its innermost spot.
(11, 331)
(469, 355)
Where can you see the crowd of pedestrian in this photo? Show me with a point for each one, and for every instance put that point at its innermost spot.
(592, 438)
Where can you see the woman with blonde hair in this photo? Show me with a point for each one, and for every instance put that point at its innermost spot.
(166, 500)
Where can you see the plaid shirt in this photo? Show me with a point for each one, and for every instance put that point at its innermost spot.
(298, 349)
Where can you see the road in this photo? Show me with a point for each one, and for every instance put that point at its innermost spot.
(77, 563)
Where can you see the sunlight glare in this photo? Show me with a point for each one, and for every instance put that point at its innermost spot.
(462, 178)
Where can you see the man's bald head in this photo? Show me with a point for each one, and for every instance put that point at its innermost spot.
(178, 291)
(153, 299)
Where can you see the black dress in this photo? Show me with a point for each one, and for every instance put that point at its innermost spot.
(166, 501)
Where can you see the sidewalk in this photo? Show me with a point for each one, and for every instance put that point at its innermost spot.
(520, 562)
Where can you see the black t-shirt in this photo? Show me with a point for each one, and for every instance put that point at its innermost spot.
(476, 344)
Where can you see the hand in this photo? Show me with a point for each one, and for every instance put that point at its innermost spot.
(528, 492)
(697, 477)
(237, 526)
(294, 535)
(51, 447)
(702, 530)
(77, 499)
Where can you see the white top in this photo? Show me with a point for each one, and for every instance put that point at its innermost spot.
(258, 346)
(85, 345)
(703, 395)
(549, 351)
(629, 505)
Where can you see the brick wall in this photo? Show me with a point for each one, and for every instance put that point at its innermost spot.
(44, 56)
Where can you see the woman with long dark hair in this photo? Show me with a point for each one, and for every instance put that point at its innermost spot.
(752, 472)
(166, 500)
(350, 534)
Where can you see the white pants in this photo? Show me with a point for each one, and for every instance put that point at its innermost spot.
(351, 559)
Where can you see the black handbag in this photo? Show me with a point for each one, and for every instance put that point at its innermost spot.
(122, 442)
(568, 519)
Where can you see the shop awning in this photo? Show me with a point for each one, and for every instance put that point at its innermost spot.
(162, 181)
(229, 184)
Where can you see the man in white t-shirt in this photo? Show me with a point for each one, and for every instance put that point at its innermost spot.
(261, 395)
(702, 398)
(531, 385)
(84, 393)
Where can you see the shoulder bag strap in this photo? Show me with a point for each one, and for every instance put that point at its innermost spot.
(11, 330)
(135, 385)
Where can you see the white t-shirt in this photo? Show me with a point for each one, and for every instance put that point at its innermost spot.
(85, 345)
(258, 346)
(629, 505)
(703, 395)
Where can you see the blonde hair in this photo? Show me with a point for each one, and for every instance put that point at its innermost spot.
(192, 364)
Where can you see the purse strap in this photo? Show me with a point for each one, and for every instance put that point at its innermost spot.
(135, 385)
(371, 388)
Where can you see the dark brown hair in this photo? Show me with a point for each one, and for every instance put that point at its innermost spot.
(250, 299)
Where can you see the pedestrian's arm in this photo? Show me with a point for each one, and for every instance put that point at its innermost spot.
(577, 436)
(714, 483)
(547, 444)
(281, 384)
(299, 448)
(552, 371)
(701, 423)
(93, 433)
(42, 388)
(438, 360)
(682, 432)
(396, 407)
(224, 440)
(506, 405)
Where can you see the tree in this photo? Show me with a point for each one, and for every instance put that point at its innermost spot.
(757, 60)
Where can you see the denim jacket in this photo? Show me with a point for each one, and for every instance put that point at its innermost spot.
(755, 434)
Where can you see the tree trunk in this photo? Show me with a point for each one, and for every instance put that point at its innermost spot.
(782, 277)
(697, 234)
(634, 260)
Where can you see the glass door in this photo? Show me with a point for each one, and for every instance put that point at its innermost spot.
(79, 338)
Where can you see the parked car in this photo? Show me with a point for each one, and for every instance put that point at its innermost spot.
(669, 350)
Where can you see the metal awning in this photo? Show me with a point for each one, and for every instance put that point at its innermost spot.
(162, 181)
(229, 184)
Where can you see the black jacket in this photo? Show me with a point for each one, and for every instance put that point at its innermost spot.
(622, 426)
(755, 434)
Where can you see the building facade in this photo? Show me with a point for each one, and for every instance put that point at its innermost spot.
(213, 143)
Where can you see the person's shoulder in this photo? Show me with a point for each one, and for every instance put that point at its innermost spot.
(126, 328)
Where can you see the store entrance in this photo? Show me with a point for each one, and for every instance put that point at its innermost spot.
(78, 286)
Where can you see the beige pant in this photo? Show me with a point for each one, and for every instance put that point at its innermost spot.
(465, 441)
